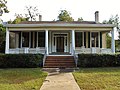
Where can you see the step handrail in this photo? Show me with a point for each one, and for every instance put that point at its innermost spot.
(75, 58)
(44, 58)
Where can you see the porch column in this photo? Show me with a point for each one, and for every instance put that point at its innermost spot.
(46, 41)
(73, 41)
(112, 40)
(7, 41)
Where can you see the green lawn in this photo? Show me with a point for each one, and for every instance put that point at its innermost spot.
(98, 78)
(21, 79)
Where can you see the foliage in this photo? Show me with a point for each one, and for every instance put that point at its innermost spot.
(64, 15)
(19, 18)
(108, 40)
(98, 78)
(3, 7)
(2, 38)
(80, 19)
(21, 79)
(98, 60)
(20, 60)
(114, 20)
(32, 12)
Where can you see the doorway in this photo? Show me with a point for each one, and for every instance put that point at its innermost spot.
(60, 44)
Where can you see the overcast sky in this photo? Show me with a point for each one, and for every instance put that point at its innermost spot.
(49, 9)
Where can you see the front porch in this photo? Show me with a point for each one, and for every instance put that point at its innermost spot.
(61, 42)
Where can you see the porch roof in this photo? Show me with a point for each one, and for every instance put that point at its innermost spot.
(61, 24)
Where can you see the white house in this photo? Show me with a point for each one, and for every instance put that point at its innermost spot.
(58, 37)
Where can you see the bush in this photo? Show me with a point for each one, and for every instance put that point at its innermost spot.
(20, 60)
(98, 60)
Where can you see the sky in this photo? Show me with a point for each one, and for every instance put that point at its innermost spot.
(49, 9)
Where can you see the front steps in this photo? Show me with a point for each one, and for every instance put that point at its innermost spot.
(59, 62)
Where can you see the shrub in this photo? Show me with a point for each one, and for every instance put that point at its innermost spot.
(20, 60)
(98, 60)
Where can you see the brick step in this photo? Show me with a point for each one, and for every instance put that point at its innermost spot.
(56, 61)
(59, 62)
(59, 66)
(60, 57)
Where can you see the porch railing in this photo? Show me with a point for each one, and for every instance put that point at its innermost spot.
(27, 50)
(93, 50)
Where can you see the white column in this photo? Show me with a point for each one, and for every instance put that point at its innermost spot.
(37, 40)
(46, 41)
(113, 41)
(73, 41)
(7, 41)
(99, 39)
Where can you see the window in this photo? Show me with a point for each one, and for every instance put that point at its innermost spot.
(12, 40)
(78, 39)
(25, 39)
(41, 39)
(94, 39)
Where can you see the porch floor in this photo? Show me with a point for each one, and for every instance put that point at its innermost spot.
(60, 53)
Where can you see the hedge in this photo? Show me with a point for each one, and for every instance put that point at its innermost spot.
(20, 60)
(98, 60)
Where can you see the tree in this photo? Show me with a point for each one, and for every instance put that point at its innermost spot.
(32, 12)
(80, 19)
(64, 15)
(3, 7)
(2, 38)
(113, 20)
(19, 18)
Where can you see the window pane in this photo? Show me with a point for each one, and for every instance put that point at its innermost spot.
(12, 40)
(78, 39)
(25, 39)
(94, 39)
(41, 39)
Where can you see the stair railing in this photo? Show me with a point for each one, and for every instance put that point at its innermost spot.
(75, 57)
(45, 55)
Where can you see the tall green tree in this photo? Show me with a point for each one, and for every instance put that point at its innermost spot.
(80, 19)
(113, 20)
(19, 18)
(3, 7)
(64, 15)
(2, 38)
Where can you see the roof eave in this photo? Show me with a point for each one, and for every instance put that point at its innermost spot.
(60, 25)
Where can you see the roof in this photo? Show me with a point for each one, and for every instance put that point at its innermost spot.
(59, 24)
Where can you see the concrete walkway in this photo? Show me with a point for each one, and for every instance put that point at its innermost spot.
(60, 81)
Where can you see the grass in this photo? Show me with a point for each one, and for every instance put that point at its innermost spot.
(98, 78)
(21, 79)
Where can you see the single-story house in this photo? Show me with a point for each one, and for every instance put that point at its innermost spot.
(59, 37)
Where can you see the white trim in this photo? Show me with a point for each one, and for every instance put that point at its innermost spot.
(83, 39)
(73, 41)
(37, 40)
(7, 41)
(60, 25)
(46, 42)
(99, 39)
(29, 39)
(21, 40)
(113, 41)
(54, 41)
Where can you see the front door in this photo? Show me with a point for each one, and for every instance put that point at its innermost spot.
(60, 44)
